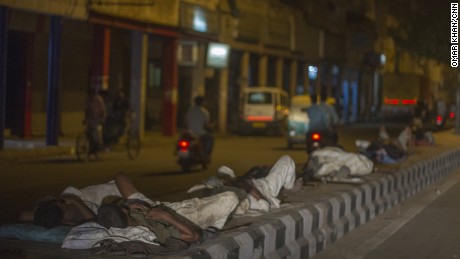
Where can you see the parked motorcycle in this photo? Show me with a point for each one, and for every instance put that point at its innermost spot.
(190, 152)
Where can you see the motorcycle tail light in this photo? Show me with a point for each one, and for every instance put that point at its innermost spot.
(439, 120)
(183, 144)
(315, 136)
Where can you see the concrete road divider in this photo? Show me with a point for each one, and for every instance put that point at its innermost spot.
(303, 230)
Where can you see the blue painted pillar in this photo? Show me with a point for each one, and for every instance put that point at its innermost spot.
(346, 101)
(3, 53)
(54, 49)
(354, 100)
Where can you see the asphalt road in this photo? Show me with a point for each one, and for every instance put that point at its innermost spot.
(426, 226)
(155, 172)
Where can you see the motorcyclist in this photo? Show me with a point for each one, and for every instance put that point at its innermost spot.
(318, 119)
(198, 122)
(332, 119)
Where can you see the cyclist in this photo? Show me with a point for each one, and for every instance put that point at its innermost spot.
(95, 113)
(118, 117)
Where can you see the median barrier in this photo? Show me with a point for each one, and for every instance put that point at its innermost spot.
(302, 230)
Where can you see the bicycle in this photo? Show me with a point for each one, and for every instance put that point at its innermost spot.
(132, 144)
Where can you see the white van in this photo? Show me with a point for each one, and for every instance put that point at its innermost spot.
(263, 110)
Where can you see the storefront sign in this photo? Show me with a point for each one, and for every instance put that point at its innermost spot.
(217, 55)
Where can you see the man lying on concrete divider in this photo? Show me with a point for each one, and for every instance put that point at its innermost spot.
(255, 193)
(388, 150)
(74, 206)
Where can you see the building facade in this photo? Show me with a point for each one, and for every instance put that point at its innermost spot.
(162, 53)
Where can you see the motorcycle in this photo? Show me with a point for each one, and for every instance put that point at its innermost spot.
(190, 152)
(316, 140)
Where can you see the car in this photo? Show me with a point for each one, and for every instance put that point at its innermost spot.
(263, 110)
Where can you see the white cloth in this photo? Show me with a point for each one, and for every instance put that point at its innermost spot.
(383, 134)
(140, 196)
(93, 195)
(282, 174)
(404, 138)
(209, 211)
(329, 161)
(226, 171)
(362, 145)
(205, 212)
(86, 235)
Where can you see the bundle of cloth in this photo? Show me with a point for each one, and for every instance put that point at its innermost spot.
(331, 164)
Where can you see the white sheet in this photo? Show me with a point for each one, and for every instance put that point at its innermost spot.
(86, 235)
(330, 161)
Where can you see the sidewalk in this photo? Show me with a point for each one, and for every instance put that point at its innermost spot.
(18, 149)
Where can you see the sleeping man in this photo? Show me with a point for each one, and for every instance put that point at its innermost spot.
(74, 206)
(258, 192)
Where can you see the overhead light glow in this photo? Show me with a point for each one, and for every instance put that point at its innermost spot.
(312, 72)
(219, 50)
(199, 21)
(383, 59)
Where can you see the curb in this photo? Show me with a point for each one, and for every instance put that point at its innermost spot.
(302, 231)
(19, 154)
